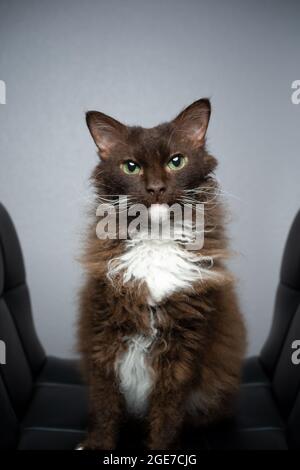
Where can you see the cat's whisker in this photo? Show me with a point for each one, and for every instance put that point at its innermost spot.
(206, 190)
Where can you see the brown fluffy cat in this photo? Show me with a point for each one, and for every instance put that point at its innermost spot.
(160, 333)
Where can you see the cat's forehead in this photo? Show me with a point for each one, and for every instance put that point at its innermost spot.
(152, 142)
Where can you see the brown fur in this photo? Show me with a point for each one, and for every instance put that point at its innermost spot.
(201, 340)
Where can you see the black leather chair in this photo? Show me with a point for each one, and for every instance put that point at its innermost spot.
(43, 402)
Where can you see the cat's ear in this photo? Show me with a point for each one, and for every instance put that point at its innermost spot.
(193, 121)
(105, 130)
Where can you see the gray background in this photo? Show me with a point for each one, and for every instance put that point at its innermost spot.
(142, 61)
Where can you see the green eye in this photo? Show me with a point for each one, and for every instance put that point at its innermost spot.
(177, 162)
(131, 168)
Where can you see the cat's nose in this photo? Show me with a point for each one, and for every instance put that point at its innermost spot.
(156, 189)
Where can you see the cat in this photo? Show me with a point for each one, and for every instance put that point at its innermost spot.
(161, 334)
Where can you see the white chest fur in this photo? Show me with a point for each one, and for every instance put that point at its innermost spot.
(135, 375)
(134, 370)
(164, 265)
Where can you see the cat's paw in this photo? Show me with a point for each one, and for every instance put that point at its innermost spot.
(93, 444)
(80, 447)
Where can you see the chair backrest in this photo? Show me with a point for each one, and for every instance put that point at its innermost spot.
(276, 355)
(24, 353)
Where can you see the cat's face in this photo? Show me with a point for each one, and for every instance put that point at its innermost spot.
(156, 165)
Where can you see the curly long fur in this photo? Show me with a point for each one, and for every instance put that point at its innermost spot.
(184, 349)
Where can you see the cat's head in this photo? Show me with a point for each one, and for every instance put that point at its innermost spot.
(153, 165)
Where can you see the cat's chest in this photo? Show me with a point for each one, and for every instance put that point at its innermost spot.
(164, 266)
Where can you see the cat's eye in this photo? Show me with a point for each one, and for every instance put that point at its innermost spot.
(177, 162)
(130, 168)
